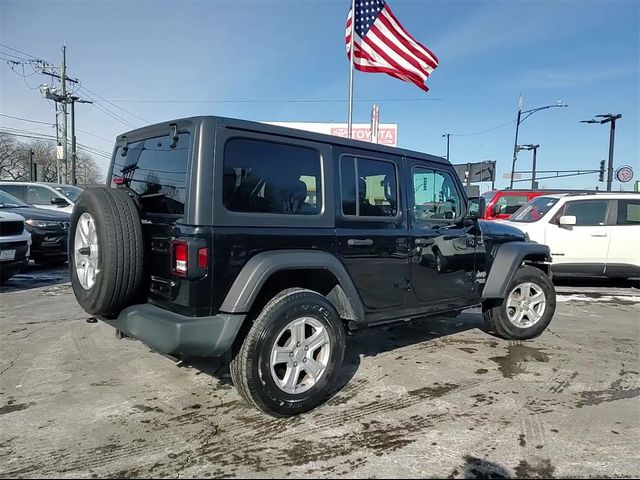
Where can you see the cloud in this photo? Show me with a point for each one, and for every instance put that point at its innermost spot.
(549, 78)
(505, 24)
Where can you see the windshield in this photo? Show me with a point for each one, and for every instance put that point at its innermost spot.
(9, 201)
(69, 191)
(534, 210)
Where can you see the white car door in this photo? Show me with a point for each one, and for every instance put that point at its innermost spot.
(623, 258)
(583, 247)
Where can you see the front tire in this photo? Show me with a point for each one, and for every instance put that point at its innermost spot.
(289, 361)
(527, 309)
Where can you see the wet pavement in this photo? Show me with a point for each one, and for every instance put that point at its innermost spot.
(439, 398)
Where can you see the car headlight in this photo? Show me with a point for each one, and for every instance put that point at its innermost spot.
(40, 223)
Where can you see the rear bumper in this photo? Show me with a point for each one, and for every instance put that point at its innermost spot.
(174, 334)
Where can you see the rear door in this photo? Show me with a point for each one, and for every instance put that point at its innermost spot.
(156, 168)
(623, 258)
(583, 248)
(371, 230)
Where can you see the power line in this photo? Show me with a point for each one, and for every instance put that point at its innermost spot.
(24, 53)
(82, 87)
(25, 119)
(282, 101)
(483, 131)
(40, 136)
(53, 125)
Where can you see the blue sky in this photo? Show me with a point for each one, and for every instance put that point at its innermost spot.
(586, 53)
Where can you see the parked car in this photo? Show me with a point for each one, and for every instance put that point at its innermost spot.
(50, 196)
(264, 244)
(14, 244)
(501, 204)
(590, 234)
(49, 230)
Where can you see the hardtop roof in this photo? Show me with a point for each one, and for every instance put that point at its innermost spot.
(258, 127)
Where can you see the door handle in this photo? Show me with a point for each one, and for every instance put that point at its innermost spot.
(598, 234)
(355, 242)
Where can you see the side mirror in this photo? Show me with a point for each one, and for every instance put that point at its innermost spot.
(567, 220)
(476, 207)
(59, 201)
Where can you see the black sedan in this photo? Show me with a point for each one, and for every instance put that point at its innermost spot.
(49, 229)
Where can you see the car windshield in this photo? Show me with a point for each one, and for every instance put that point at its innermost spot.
(534, 210)
(9, 201)
(69, 191)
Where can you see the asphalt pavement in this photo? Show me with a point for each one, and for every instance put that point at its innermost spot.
(438, 398)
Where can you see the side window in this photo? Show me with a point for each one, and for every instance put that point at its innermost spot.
(435, 195)
(17, 191)
(509, 204)
(39, 195)
(587, 212)
(369, 187)
(628, 212)
(268, 177)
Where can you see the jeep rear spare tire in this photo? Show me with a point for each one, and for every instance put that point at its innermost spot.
(106, 251)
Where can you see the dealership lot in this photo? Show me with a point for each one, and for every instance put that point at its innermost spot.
(437, 398)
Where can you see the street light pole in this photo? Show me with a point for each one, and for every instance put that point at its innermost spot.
(608, 118)
(522, 116)
(447, 135)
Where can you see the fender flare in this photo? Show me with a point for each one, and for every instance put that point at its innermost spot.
(506, 263)
(260, 267)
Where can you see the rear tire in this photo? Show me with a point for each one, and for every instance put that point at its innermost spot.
(119, 256)
(507, 319)
(256, 374)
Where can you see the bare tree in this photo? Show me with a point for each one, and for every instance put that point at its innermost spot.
(15, 161)
(10, 151)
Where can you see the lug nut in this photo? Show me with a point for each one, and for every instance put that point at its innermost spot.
(298, 344)
(304, 360)
(306, 347)
(291, 354)
(295, 364)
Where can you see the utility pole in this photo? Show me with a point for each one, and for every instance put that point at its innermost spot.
(447, 135)
(608, 118)
(65, 143)
(74, 153)
(33, 176)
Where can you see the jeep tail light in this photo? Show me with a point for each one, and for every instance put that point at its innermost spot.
(180, 258)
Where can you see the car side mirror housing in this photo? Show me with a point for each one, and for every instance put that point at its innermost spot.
(476, 207)
(567, 220)
(59, 201)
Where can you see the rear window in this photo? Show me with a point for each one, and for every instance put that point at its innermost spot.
(509, 204)
(155, 170)
(628, 212)
(267, 177)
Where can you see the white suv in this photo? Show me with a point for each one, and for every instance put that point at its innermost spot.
(14, 245)
(50, 196)
(590, 234)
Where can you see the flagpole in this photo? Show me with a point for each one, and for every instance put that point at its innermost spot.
(352, 55)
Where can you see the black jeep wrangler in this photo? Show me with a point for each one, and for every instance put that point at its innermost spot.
(218, 236)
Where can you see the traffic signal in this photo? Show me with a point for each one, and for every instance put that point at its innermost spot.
(601, 178)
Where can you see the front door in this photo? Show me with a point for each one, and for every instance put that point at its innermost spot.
(371, 229)
(581, 248)
(443, 255)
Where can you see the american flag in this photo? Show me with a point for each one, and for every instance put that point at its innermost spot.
(382, 45)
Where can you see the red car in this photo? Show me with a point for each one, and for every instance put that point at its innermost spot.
(504, 203)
